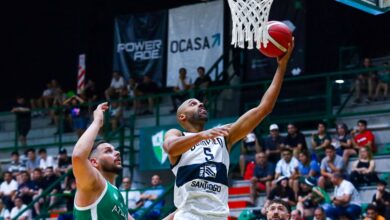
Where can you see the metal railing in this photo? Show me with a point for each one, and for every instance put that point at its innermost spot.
(326, 95)
(45, 193)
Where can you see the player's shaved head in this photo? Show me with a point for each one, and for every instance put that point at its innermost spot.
(191, 112)
(181, 108)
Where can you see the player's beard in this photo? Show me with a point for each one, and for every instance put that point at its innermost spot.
(110, 168)
(197, 117)
(275, 216)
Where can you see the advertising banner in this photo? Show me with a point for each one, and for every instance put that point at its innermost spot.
(195, 38)
(139, 42)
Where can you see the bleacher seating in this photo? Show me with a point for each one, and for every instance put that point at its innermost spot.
(43, 133)
(378, 123)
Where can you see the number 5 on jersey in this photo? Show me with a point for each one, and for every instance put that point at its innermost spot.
(208, 154)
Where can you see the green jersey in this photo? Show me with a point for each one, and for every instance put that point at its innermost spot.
(110, 205)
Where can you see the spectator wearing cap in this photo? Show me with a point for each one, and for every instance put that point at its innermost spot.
(363, 137)
(295, 140)
(310, 196)
(249, 147)
(46, 160)
(372, 213)
(305, 205)
(320, 140)
(263, 175)
(381, 199)
(363, 169)
(282, 191)
(15, 166)
(64, 162)
(345, 200)
(288, 167)
(331, 164)
(273, 143)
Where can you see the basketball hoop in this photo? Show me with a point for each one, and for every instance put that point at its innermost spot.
(249, 22)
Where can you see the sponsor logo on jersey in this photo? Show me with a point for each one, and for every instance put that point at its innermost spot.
(206, 143)
(206, 185)
(157, 142)
(117, 210)
(208, 170)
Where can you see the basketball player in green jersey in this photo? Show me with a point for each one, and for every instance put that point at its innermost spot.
(95, 167)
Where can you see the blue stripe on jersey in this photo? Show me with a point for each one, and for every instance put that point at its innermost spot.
(210, 171)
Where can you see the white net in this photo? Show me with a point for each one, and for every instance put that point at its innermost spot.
(249, 22)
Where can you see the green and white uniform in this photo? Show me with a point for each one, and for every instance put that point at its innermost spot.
(109, 206)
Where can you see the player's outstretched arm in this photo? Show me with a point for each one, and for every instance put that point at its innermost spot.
(87, 177)
(176, 144)
(248, 121)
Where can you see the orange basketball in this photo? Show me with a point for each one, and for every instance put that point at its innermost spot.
(280, 37)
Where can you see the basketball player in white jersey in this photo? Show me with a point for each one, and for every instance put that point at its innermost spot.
(200, 158)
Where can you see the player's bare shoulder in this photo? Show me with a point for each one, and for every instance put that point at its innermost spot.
(173, 133)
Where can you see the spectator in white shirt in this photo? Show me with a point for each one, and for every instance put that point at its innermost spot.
(116, 86)
(181, 88)
(19, 206)
(132, 196)
(8, 189)
(288, 167)
(345, 200)
(46, 160)
(4, 213)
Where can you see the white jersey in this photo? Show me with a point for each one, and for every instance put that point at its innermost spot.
(201, 186)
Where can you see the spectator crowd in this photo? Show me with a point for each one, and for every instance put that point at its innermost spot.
(285, 167)
(28, 176)
(70, 112)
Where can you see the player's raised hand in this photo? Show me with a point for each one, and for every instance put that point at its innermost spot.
(215, 132)
(283, 60)
(98, 114)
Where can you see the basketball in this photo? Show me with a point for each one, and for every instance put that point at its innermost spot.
(280, 37)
